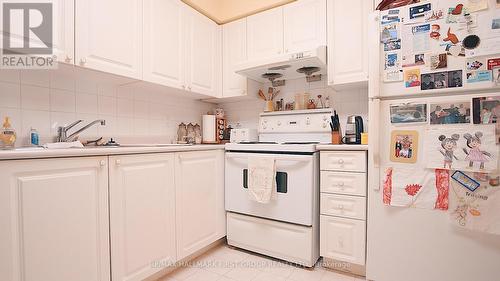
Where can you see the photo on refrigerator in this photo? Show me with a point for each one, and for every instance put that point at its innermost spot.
(486, 110)
(450, 113)
(404, 146)
(408, 113)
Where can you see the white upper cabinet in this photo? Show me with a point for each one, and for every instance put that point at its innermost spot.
(108, 36)
(203, 54)
(234, 37)
(54, 220)
(163, 43)
(64, 30)
(142, 214)
(199, 193)
(265, 34)
(347, 42)
(304, 25)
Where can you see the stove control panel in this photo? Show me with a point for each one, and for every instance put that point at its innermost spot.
(307, 121)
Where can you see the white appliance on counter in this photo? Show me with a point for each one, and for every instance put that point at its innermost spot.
(414, 244)
(288, 227)
(243, 135)
(287, 65)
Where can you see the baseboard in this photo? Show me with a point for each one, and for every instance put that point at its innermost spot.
(186, 260)
(343, 266)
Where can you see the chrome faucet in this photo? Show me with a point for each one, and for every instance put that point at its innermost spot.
(63, 131)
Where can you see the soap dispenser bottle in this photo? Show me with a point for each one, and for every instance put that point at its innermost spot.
(7, 135)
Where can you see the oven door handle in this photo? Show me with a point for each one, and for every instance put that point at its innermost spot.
(296, 158)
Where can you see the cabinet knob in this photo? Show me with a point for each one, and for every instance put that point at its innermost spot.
(341, 161)
(341, 183)
(341, 207)
(68, 59)
(243, 91)
(102, 163)
(118, 162)
(189, 88)
(183, 86)
(83, 61)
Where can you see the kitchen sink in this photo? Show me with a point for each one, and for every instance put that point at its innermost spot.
(153, 144)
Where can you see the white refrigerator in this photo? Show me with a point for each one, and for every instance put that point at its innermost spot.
(418, 244)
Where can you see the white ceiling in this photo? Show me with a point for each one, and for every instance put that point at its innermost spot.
(223, 11)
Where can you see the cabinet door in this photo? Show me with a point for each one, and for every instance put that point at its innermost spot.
(204, 54)
(163, 43)
(234, 36)
(142, 215)
(199, 186)
(347, 42)
(265, 34)
(54, 220)
(343, 239)
(62, 29)
(108, 36)
(304, 25)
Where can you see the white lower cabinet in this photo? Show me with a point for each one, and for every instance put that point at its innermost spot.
(54, 220)
(55, 223)
(142, 215)
(199, 194)
(343, 239)
(343, 186)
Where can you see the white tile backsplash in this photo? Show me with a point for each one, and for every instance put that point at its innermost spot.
(10, 95)
(347, 102)
(39, 78)
(106, 105)
(62, 100)
(46, 100)
(35, 98)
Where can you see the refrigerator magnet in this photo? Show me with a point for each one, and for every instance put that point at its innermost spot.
(404, 146)
(465, 181)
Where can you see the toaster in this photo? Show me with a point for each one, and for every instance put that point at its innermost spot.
(244, 135)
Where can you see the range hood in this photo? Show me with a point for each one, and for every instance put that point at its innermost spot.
(290, 66)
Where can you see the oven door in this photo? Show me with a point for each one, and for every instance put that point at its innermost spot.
(296, 183)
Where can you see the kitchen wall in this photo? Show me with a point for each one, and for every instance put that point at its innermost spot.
(346, 102)
(47, 99)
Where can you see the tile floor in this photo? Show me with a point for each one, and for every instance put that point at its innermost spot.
(229, 264)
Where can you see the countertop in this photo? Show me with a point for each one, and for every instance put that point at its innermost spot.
(35, 153)
(343, 147)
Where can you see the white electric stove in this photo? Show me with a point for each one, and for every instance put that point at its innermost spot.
(288, 227)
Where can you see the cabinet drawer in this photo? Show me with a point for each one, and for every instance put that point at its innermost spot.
(343, 206)
(352, 161)
(343, 239)
(343, 183)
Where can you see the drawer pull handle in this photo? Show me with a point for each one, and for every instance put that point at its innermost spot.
(341, 161)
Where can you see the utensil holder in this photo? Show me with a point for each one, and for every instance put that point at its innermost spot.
(269, 106)
(336, 137)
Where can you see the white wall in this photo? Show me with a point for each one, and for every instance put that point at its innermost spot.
(47, 99)
(348, 102)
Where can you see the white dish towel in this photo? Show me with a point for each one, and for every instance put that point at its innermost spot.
(63, 145)
(262, 179)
